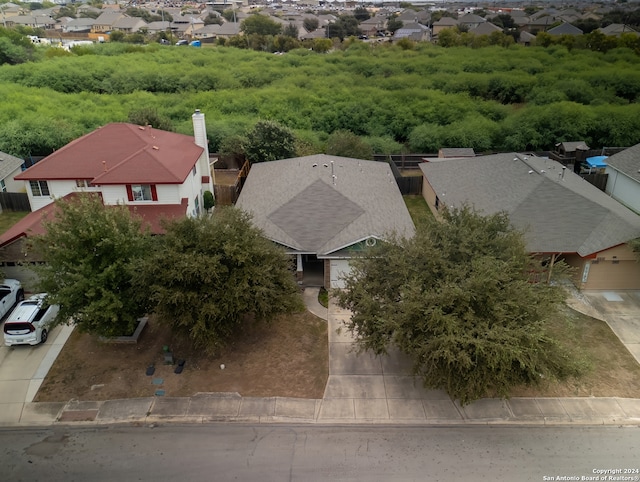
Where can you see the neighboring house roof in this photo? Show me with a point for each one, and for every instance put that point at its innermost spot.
(151, 214)
(617, 29)
(471, 18)
(8, 164)
(526, 37)
(559, 214)
(413, 31)
(627, 162)
(129, 23)
(456, 152)
(121, 154)
(572, 146)
(296, 203)
(486, 28)
(565, 29)
(446, 21)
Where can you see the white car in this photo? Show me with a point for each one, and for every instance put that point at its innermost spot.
(11, 292)
(30, 321)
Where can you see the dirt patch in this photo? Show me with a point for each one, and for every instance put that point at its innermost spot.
(288, 358)
(612, 370)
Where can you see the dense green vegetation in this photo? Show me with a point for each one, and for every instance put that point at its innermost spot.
(425, 97)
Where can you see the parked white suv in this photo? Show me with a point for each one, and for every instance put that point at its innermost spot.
(29, 322)
(11, 292)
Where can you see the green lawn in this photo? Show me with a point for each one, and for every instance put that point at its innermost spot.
(418, 209)
(9, 218)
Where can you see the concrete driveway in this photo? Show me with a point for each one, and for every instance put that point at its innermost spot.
(621, 310)
(22, 370)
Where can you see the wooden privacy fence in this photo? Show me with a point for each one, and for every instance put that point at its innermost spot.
(14, 201)
(406, 184)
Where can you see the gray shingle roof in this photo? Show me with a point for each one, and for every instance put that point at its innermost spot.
(627, 162)
(299, 206)
(561, 215)
(565, 29)
(8, 164)
(457, 152)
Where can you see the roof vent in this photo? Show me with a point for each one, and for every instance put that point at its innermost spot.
(156, 148)
(141, 128)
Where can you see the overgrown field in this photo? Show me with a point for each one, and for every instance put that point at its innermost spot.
(490, 98)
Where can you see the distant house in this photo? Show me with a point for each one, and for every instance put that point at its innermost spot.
(486, 28)
(568, 152)
(10, 167)
(104, 23)
(324, 210)
(154, 173)
(470, 21)
(455, 152)
(565, 29)
(617, 29)
(623, 182)
(78, 25)
(413, 31)
(128, 25)
(443, 23)
(562, 216)
(526, 38)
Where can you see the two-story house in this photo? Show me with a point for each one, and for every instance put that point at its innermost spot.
(156, 174)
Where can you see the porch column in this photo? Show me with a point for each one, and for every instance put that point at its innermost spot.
(299, 267)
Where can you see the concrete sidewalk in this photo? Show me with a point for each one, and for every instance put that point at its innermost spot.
(438, 410)
(361, 389)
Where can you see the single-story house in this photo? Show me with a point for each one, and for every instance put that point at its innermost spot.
(324, 210)
(623, 182)
(563, 216)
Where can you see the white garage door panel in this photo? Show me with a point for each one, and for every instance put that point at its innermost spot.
(339, 269)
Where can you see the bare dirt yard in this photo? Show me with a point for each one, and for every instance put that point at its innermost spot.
(288, 358)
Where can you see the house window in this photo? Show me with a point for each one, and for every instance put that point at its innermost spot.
(39, 188)
(142, 192)
(197, 204)
(82, 183)
(195, 169)
(3, 187)
(437, 203)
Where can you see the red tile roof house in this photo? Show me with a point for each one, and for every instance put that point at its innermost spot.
(155, 173)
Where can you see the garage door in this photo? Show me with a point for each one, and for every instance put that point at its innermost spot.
(339, 269)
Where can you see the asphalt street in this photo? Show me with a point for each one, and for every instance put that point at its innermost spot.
(225, 452)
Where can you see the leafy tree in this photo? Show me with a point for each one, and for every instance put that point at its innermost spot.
(148, 116)
(322, 45)
(269, 141)
(14, 47)
(361, 14)
(232, 150)
(394, 24)
(290, 31)
(261, 25)
(213, 19)
(229, 15)
(222, 269)
(66, 11)
(310, 24)
(116, 36)
(347, 144)
(349, 26)
(207, 200)
(88, 249)
(458, 300)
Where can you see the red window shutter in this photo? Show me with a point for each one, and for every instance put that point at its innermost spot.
(154, 193)
(129, 192)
